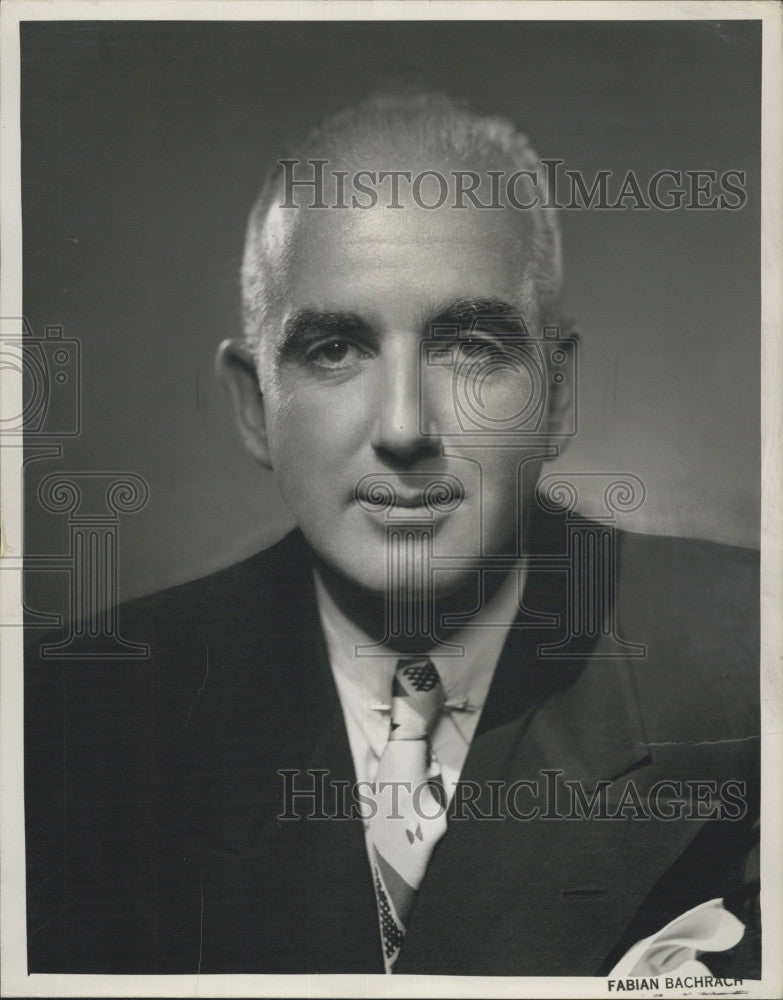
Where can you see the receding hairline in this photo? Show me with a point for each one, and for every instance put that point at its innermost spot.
(447, 131)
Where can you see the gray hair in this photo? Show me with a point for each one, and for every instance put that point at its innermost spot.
(422, 121)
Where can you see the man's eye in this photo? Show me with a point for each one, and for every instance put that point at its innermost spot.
(334, 353)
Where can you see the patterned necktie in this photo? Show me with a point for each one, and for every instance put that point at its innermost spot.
(411, 815)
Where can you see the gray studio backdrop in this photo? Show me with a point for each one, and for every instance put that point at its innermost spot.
(144, 144)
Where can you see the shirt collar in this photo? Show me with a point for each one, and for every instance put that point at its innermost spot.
(466, 677)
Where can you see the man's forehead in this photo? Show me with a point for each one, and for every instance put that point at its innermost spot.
(365, 258)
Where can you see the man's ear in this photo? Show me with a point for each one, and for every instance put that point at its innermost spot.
(237, 371)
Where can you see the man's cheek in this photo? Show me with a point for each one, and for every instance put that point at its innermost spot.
(501, 500)
(295, 432)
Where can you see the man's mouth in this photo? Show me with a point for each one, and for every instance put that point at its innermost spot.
(413, 499)
(415, 491)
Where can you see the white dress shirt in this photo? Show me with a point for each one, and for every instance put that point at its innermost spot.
(364, 683)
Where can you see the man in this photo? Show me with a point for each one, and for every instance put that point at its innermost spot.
(566, 719)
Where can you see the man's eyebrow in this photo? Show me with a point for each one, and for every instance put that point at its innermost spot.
(321, 322)
(496, 315)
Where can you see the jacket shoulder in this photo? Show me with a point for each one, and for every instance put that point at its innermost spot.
(694, 606)
(237, 616)
(702, 590)
(263, 580)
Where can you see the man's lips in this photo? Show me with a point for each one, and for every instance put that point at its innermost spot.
(437, 493)
(407, 499)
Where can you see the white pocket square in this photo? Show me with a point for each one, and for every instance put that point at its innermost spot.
(707, 927)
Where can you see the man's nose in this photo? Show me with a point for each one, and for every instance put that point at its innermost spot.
(404, 429)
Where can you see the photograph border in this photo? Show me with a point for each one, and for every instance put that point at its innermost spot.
(15, 980)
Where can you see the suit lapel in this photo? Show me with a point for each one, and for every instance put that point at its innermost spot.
(266, 700)
(283, 895)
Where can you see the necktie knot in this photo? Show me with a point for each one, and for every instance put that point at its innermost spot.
(417, 699)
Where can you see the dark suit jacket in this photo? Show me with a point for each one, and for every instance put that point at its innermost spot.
(153, 793)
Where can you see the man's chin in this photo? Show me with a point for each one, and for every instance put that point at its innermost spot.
(401, 590)
(366, 580)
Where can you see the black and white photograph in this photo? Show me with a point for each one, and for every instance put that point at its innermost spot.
(391, 572)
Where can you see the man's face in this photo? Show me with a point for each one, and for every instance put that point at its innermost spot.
(353, 392)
